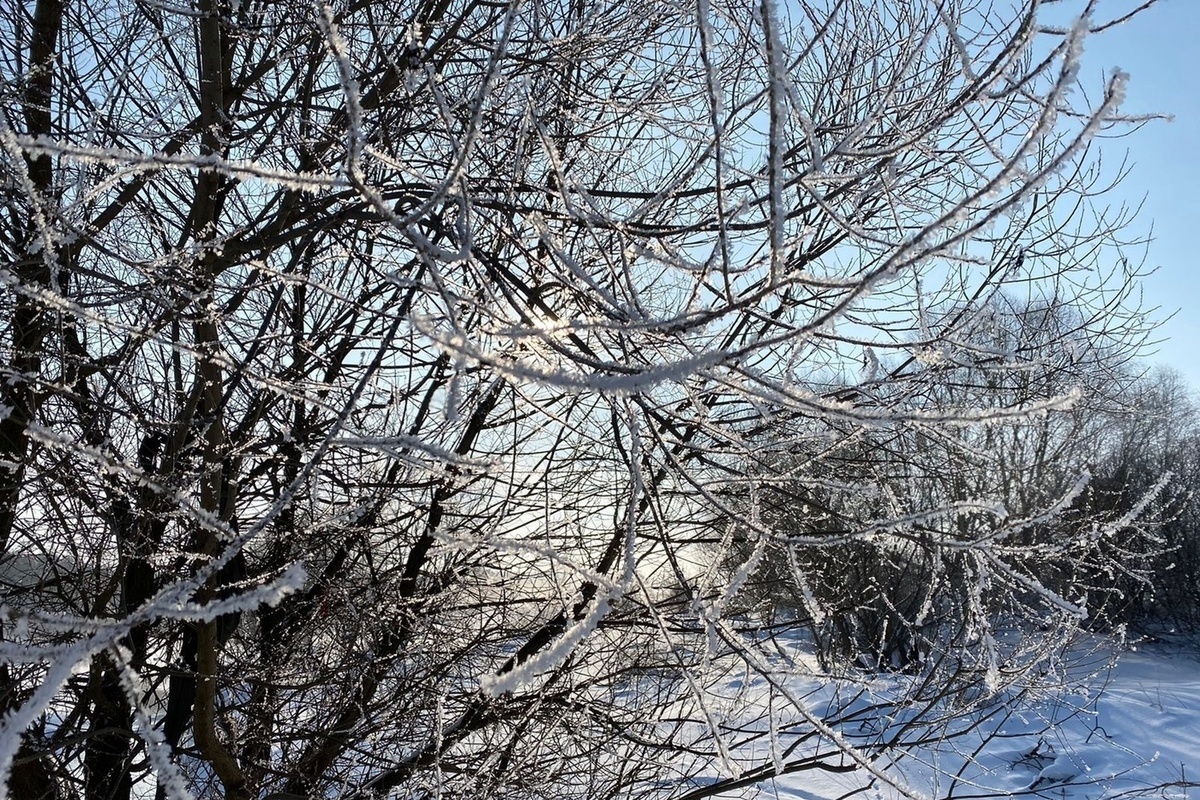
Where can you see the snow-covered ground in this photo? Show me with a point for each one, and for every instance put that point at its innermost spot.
(1120, 731)
(1124, 731)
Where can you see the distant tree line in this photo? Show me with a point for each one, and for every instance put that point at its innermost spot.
(1119, 463)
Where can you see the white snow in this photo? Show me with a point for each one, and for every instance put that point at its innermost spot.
(1132, 730)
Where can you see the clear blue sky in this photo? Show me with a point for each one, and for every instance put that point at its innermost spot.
(1161, 51)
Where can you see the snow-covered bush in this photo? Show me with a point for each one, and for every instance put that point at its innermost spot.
(1154, 431)
(377, 378)
(879, 588)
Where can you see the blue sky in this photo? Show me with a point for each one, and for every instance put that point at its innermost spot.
(1159, 49)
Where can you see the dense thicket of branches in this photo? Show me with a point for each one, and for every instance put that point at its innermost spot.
(893, 602)
(891, 605)
(1154, 433)
(378, 377)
